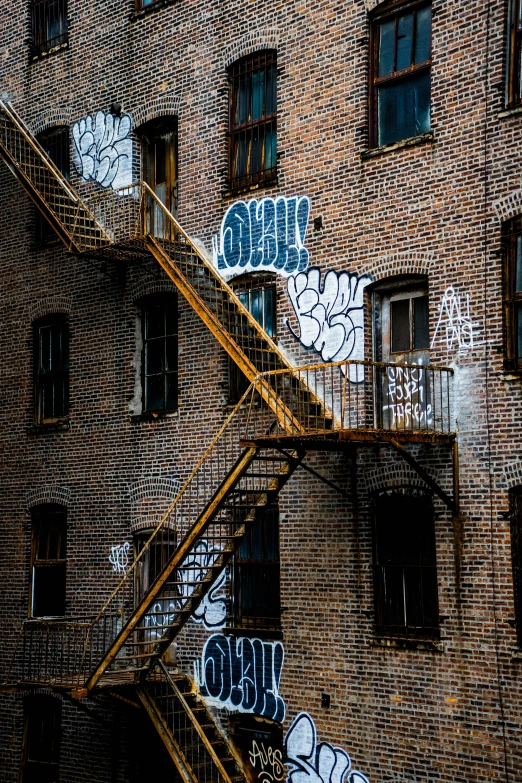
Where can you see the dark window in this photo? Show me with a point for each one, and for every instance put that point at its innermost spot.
(400, 72)
(49, 25)
(56, 144)
(253, 120)
(514, 55)
(51, 363)
(48, 561)
(160, 353)
(409, 324)
(41, 740)
(513, 293)
(258, 294)
(405, 575)
(160, 171)
(516, 548)
(255, 577)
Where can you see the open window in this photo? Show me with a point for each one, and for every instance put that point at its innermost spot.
(51, 369)
(48, 560)
(49, 25)
(160, 171)
(258, 294)
(256, 576)
(405, 570)
(41, 739)
(253, 120)
(400, 71)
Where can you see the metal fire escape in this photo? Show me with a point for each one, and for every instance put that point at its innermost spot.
(286, 412)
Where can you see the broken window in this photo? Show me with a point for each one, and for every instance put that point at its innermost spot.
(41, 739)
(405, 574)
(48, 561)
(253, 120)
(49, 25)
(513, 293)
(51, 369)
(258, 294)
(514, 54)
(400, 72)
(55, 142)
(516, 550)
(255, 575)
(160, 353)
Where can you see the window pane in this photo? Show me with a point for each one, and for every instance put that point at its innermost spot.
(154, 320)
(386, 47)
(421, 326)
(243, 99)
(404, 108)
(154, 356)
(160, 160)
(518, 262)
(241, 156)
(271, 80)
(154, 393)
(45, 348)
(404, 41)
(49, 590)
(519, 333)
(270, 311)
(270, 146)
(423, 37)
(400, 323)
(171, 354)
(258, 91)
(256, 150)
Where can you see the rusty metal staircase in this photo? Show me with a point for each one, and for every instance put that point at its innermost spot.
(193, 739)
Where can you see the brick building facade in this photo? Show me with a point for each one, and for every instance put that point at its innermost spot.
(351, 171)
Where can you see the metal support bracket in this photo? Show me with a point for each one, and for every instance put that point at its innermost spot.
(451, 503)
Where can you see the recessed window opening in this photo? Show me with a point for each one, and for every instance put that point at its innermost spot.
(514, 54)
(400, 72)
(49, 25)
(51, 369)
(513, 293)
(253, 120)
(41, 739)
(160, 353)
(48, 560)
(55, 142)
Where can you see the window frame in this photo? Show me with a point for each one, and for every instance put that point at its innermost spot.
(45, 710)
(170, 302)
(266, 571)
(250, 64)
(393, 9)
(42, 44)
(59, 376)
(514, 54)
(516, 557)
(405, 631)
(47, 514)
(512, 300)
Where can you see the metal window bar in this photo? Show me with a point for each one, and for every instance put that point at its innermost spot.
(49, 25)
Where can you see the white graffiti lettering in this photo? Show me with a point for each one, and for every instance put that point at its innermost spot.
(407, 397)
(103, 149)
(212, 611)
(331, 316)
(267, 762)
(315, 763)
(265, 235)
(454, 325)
(242, 674)
(119, 557)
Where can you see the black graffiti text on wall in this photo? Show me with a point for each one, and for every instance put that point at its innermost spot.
(243, 675)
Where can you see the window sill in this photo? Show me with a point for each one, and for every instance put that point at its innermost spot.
(231, 191)
(149, 416)
(506, 113)
(151, 9)
(60, 425)
(397, 643)
(55, 49)
(414, 141)
(254, 633)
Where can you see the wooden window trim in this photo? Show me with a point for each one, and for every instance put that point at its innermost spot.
(250, 64)
(393, 9)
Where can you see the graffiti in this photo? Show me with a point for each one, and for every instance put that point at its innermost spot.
(265, 235)
(315, 763)
(243, 675)
(454, 322)
(407, 394)
(103, 149)
(267, 762)
(119, 557)
(331, 316)
(212, 610)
